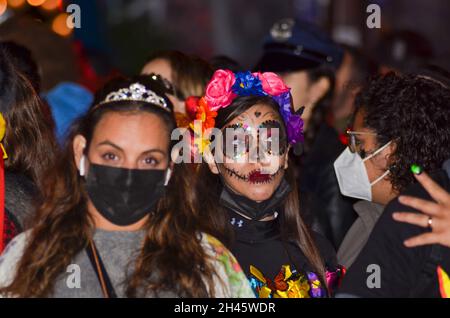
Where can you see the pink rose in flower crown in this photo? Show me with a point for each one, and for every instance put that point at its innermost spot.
(272, 84)
(218, 91)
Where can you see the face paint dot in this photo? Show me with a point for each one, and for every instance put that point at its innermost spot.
(257, 114)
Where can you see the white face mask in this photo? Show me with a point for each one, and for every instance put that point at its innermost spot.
(352, 175)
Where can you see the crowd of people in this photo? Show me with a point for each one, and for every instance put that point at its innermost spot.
(322, 173)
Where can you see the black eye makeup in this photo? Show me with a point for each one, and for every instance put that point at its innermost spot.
(272, 137)
(237, 143)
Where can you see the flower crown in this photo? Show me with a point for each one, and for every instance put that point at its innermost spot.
(225, 86)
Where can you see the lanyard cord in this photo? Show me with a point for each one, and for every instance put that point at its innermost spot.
(100, 271)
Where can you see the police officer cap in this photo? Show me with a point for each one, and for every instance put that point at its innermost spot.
(294, 45)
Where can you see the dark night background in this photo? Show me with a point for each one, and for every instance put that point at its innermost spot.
(117, 35)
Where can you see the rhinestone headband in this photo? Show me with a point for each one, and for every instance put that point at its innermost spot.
(136, 92)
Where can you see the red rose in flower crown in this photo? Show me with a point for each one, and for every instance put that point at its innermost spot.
(272, 83)
(218, 91)
(191, 105)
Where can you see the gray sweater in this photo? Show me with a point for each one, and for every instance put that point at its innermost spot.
(118, 251)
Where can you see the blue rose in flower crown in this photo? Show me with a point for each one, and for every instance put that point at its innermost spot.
(248, 84)
(225, 86)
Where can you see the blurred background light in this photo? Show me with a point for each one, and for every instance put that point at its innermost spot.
(61, 25)
(16, 3)
(35, 3)
(51, 4)
(3, 6)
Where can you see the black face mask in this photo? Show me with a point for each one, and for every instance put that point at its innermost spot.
(252, 209)
(124, 196)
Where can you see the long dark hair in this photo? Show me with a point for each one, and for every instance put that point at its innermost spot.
(209, 186)
(29, 140)
(63, 226)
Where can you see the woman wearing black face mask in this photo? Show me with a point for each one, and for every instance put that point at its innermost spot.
(247, 193)
(116, 219)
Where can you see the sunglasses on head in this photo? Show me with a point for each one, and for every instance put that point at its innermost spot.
(169, 86)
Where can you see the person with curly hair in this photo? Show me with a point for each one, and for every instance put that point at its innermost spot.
(384, 142)
(401, 122)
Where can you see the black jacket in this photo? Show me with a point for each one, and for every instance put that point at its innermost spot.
(404, 272)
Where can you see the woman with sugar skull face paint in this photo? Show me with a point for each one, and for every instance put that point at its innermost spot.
(246, 189)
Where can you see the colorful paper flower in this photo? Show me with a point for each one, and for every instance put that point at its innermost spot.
(2, 135)
(248, 84)
(205, 115)
(2, 127)
(191, 105)
(334, 278)
(293, 122)
(272, 84)
(218, 91)
(226, 86)
(287, 284)
(444, 282)
(298, 289)
(204, 120)
(316, 289)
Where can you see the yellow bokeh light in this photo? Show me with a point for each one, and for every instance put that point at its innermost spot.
(35, 3)
(51, 4)
(16, 3)
(3, 6)
(61, 26)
